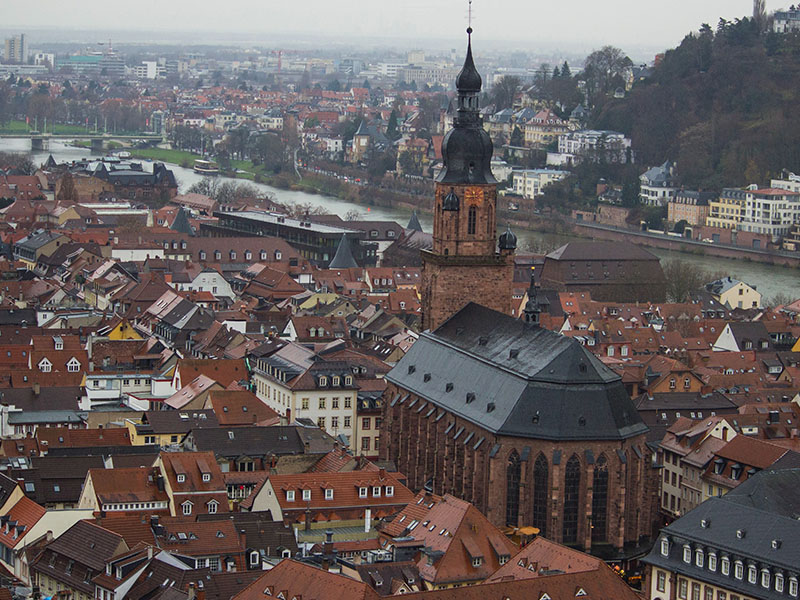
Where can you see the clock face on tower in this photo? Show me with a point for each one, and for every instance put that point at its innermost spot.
(473, 196)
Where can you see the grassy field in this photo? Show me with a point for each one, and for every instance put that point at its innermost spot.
(177, 157)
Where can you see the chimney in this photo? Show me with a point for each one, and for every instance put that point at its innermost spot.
(327, 547)
(36, 389)
(191, 591)
(367, 520)
(382, 473)
(149, 552)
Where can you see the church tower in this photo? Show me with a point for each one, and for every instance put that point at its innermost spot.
(466, 263)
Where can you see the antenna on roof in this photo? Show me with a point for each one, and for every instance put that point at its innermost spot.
(469, 15)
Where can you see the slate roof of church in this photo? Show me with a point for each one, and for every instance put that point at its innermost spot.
(513, 378)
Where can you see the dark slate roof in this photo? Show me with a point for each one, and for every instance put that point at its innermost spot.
(601, 251)
(413, 222)
(343, 259)
(248, 441)
(514, 378)
(745, 525)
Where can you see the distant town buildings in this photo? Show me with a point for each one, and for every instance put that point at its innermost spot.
(16, 49)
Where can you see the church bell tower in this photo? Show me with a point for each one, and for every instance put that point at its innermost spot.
(467, 262)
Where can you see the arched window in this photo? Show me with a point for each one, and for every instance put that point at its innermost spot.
(600, 500)
(512, 489)
(540, 493)
(572, 487)
(472, 217)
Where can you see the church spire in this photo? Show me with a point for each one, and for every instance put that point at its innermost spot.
(467, 149)
(532, 308)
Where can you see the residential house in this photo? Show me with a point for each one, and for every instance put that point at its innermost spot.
(193, 482)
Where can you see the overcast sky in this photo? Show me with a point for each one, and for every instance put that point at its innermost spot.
(528, 23)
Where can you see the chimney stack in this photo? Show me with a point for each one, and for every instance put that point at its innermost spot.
(36, 389)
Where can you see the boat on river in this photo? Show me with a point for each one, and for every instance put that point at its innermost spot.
(206, 167)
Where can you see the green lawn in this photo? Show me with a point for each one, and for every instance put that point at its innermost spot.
(171, 156)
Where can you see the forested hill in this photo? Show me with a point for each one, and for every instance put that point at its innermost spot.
(725, 105)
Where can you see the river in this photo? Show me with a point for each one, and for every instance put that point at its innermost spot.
(770, 280)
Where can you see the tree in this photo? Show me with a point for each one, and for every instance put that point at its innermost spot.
(760, 15)
(565, 71)
(391, 129)
(683, 278)
(334, 86)
(602, 68)
(779, 299)
(630, 192)
(353, 215)
(504, 91)
(410, 163)
(67, 192)
(517, 137)
(366, 84)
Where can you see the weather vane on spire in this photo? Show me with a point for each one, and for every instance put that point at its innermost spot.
(469, 17)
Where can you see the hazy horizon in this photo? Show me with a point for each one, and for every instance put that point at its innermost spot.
(579, 25)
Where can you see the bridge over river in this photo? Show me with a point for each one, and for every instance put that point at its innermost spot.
(98, 140)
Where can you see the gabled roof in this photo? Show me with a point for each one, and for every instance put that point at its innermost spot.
(293, 579)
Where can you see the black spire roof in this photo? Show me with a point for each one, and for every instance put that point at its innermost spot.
(507, 241)
(468, 78)
(467, 149)
(343, 259)
(413, 222)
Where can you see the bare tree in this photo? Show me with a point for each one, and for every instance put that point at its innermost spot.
(683, 278)
(760, 14)
(504, 91)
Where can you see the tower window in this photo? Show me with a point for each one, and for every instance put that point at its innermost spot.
(472, 217)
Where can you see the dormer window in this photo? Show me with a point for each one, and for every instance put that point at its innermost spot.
(687, 554)
(765, 578)
(212, 507)
(181, 478)
(187, 508)
(306, 494)
(73, 366)
(217, 255)
(712, 562)
(725, 566)
(278, 255)
(376, 491)
(233, 254)
(290, 495)
(45, 366)
(206, 477)
(335, 381)
(328, 493)
(59, 343)
(202, 254)
(664, 547)
(262, 255)
(323, 381)
(389, 491)
(362, 492)
(699, 558)
(248, 255)
(752, 574)
(477, 561)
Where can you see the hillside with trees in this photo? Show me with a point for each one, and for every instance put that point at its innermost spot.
(723, 105)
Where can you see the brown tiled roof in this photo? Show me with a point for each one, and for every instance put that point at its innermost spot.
(240, 407)
(543, 555)
(25, 513)
(134, 529)
(598, 584)
(460, 532)
(298, 580)
(203, 538)
(345, 490)
(126, 485)
(752, 452)
(223, 371)
(63, 437)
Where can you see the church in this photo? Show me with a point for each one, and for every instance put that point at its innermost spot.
(524, 423)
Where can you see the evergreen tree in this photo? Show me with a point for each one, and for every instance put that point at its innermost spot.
(565, 71)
